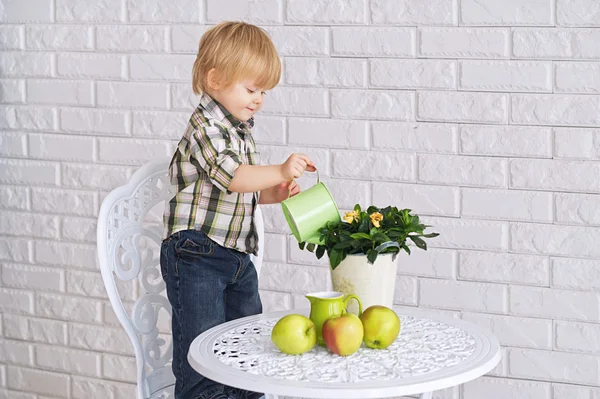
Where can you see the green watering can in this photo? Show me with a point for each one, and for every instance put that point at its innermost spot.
(308, 211)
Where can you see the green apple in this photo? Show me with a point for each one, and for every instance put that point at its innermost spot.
(382, 326)
(343, 334)
(294, 334)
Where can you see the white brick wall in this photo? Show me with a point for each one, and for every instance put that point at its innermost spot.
(481, 115)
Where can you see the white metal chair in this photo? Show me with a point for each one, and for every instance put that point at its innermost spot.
(129, 235)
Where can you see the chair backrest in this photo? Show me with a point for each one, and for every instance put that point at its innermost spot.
(129, 235)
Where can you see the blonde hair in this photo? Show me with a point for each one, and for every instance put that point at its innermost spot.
(236, 50)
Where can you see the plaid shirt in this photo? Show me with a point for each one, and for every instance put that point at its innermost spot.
(213, 146)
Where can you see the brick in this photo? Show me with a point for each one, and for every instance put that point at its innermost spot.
(68, 360)
(16, 352)
(172, 67)
(578, 209)
(79, 229)
(436, 263)
(369, 165)
(270, 130)
(26, 64)
(330, 72)
(467, 234)
(119, 368)
(13, 145)
(419, 137)
(577, 274)
(577, 13)
(29, 118)
(65, 254)
(36, 330)
(573, 391)
(186, 38)
(447, 294)
(303, 257)
(326, 12)
(63, 201)
(14, 197)
(79, 65)
(52, 147)
(370, 104)
(69, 308)
(468, 107)
(575, 143)
(500, 388)
(16, 301)
(553, 366)
(132, 95)
(509, 13)
(572, 77)
(554, 303)
(554, 175)
(131, 152)
(564, 110)
(374, 41)
(578, 337)
(159, 11)
(12, 91)
(29, 224)
(504, 268)
(327, 132)
(464, 43)
(407, 290)
(555, 240)
(93, 176)
(28, 172)
(413, 12)
(556, 43)
(416, 74)
(33, 277)
(94, 121)
(183, 98)
(89, 284)
(506, 141)
(53, 37)
(85, 388)
(14, 249)
(6, 394)
(274, 301)
(130, 38)
(98, 11)
(422, 199)
(291, 278)
(262, 12)
(515, 331)
(162, 125)
(299, 40)
(462, 170)
(26, 11)
(508, 205)
(348, 193)
(297, 101)
(275, 246)
(512, 76)
(39, 381)
(12, 37)
(59, 92)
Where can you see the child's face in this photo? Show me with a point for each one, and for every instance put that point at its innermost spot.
(242, 99)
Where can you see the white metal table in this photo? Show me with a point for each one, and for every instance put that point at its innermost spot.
(428, 355)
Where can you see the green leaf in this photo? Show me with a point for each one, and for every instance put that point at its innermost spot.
(310, 247)
(335, 258)
(301, 244)
(357, 208)
(358, 236)
(418, 242)
(430, 235)
(380, 237)
(373, 231)
(372, 255)
(320, 251)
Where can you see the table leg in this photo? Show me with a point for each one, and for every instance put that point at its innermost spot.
(426, 395)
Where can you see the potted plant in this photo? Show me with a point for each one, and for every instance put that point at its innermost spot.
(363, 247)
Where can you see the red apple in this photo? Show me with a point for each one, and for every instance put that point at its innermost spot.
(343, 335)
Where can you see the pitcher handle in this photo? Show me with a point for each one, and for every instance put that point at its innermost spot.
(352, 296)
(318, 181)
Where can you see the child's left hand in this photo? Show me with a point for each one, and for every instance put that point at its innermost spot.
(284, 190)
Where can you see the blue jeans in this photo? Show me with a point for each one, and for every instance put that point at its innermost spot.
(207, 285)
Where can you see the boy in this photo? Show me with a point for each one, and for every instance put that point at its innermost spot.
(209, 226)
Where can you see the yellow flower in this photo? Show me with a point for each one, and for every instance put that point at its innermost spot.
(351, 216)
(376, 217)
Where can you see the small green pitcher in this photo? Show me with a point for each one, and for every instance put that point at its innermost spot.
(327, 304)
(309, 211)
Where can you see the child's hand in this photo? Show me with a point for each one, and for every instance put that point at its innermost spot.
(284, 190)
(295, 165)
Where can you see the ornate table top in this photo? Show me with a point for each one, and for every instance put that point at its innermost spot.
(428, 355)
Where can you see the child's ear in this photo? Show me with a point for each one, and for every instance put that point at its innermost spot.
(212, 79)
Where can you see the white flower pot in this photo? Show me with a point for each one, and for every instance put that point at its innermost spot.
(374, 283)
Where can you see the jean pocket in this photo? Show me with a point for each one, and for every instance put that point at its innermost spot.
(195, 247)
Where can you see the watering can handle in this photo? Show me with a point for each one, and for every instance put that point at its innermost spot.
(318, 181)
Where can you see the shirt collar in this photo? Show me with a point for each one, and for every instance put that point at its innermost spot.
(219, 112)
